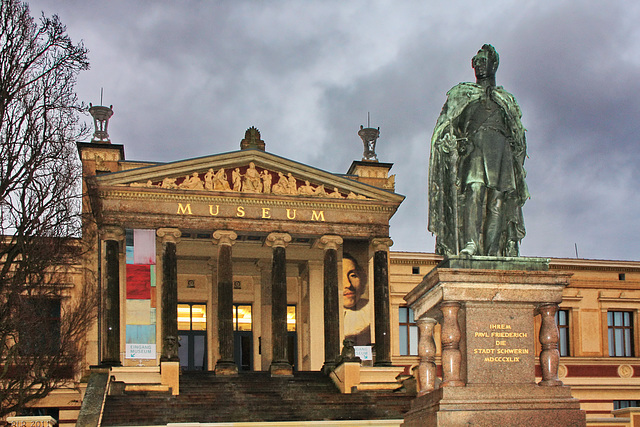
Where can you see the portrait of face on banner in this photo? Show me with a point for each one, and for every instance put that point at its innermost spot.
(355, 294)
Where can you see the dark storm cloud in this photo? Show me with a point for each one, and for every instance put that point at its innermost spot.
(187, 78)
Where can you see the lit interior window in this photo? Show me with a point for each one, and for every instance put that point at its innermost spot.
(192, 317)
(242, 318)
(291, 318)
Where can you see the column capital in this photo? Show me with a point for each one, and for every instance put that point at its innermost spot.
(278, 240)
(329, 241)
(381, 243)
(169, 234)
(224, 237)
(112, 232)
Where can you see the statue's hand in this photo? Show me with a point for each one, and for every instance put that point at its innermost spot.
(448, 143)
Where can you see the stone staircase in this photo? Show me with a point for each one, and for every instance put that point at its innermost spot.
(252, 397)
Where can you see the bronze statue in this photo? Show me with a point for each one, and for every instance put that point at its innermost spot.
(476, 171)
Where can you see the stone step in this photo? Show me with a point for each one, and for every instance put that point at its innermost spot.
(253, 397)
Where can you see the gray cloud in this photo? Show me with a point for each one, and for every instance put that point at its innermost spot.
(187, 78)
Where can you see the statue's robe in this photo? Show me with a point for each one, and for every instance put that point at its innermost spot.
(448, 147)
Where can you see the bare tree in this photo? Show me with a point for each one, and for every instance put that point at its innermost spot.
(41, 325)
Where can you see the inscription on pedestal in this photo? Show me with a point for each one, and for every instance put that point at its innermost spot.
(500, 345)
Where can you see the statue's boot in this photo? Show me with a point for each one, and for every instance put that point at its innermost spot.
(474, 206)
(494, 223)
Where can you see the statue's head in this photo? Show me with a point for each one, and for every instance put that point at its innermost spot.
(486, 62)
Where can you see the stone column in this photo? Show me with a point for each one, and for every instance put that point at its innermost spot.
(113, 237)
(549, 356)
(450, 338)
(225, 240)
(381, 301)
(427, 355)
(330, 245)
(169, 238)
(264, 267)
(279, 361)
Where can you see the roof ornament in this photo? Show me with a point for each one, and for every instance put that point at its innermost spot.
(252, 140)
(369, 137)
(101, 116)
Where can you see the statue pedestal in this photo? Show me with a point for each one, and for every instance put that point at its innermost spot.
(486, 308)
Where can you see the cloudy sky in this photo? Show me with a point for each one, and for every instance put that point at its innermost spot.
(187, 78)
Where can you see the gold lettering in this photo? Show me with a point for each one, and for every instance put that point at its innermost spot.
(501, 342)
(508, 335)
(266, 213)
(184, 210)
(513, 351)
(502, 359)
(216, 212)
(289, 214)
(240, 211)
(317, 216)
(499, 326)
(482, 334)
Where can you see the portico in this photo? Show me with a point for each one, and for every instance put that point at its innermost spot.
(244, 262)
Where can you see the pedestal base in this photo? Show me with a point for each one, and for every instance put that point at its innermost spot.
(281, 369)
(515, 405)
(226, 368)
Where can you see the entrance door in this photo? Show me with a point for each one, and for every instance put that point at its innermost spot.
(192, 329)
(243, 337)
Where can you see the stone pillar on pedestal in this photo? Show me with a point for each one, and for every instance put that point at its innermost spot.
(113, 238)
(427, 354)
(279, 362)
(381, 301)
(549, 356)
(169, 238)
(450, 339)
(330, 244)
(225, 240)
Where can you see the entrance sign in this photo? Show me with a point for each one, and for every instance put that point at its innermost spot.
(140, 351)
(364, 352)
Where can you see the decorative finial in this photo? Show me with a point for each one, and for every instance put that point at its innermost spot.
(252, 140)
(369, 137)
(101, 116)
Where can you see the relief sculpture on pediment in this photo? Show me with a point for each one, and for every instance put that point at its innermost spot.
(249, 179)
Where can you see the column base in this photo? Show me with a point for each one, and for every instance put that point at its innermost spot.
(226, 368)
(281, 369)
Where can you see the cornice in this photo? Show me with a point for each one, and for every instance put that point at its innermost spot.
(264, 200)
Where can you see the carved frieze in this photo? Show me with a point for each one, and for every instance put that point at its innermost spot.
(248, 179)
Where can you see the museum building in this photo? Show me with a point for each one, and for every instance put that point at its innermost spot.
(246, 262)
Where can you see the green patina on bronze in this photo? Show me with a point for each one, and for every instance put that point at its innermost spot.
(476, 170)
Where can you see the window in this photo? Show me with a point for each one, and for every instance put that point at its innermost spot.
(39, 330)
(562, 320)
(242, 317)
(291, 318)
(415, 270)
(620, 333)
(192, 317)
(408, 333)
(620, 404)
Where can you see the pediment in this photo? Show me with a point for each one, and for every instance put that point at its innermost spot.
(251, 172)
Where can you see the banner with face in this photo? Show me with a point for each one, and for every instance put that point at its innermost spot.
(355, 294)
